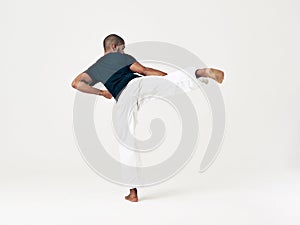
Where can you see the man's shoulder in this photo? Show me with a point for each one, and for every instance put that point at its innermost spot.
(117, 54)
(119, 58)
(129, 58)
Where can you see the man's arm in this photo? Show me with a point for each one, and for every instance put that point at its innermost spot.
(146, 71)
(81, 83)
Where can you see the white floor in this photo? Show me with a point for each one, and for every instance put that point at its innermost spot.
(267, 200)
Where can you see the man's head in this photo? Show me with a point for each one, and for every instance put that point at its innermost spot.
(113, 43)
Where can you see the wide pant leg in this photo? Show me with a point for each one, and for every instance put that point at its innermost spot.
(125, 115)
(175, 83)
(137, 92)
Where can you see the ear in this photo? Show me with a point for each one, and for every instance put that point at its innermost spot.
(113, 46)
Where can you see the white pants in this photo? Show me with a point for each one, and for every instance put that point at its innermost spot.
(127, 108)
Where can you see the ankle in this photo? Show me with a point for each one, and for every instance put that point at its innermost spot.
(133, 191)
(202, 72)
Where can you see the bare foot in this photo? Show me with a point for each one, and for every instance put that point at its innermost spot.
(217, 75)
(212, 73)
(132, 198)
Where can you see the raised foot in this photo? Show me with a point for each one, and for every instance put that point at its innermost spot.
(216, 74)
(212, 73)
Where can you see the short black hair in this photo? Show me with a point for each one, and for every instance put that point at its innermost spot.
(112, 39)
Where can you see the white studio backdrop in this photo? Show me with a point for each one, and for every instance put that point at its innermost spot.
(45, 44)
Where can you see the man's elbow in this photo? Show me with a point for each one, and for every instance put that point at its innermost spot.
(74, 84)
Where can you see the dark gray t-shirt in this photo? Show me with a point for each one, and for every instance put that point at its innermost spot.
(113, 71)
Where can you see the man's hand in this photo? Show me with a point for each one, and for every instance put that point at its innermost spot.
(105, 94)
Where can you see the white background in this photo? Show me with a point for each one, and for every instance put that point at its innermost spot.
(255, 179)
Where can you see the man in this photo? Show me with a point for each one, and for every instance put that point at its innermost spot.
(117, 71)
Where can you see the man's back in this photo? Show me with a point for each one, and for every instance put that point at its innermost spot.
(113, 70)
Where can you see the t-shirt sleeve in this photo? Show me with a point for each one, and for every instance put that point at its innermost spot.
(92, 71)
(130, 60)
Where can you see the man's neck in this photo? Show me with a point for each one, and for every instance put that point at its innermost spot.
(108, 51)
